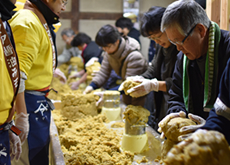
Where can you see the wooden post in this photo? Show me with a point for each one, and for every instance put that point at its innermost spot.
(217, 11)
(213, 10)
(224, 15)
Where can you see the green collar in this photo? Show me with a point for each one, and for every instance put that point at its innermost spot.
(211, 69)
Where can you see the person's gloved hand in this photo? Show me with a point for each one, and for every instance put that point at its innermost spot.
(74, 85)
(121, 87)
(75, 75)
(22, 123)
(59, 74)
(15, 146)
(166, 119)
(144, 88)
(133, 78)
(69, 69)
(88, 89)
(188, 130)
(91, 61)
(100, 102)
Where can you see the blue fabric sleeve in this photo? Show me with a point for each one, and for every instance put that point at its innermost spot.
(218, 123)
(93, 85)
(115, 88)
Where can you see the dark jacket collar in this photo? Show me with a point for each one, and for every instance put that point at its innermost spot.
(6, 7)
(49, 15)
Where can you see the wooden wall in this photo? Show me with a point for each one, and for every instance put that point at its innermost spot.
(90, 15)
(219, 12)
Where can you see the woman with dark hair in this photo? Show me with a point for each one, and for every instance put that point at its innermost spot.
(89, 50)
(120, 54)
(88, 47)
(125, 27)
(158, 77)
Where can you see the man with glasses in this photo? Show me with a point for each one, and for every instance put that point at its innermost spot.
(69, 51)
(204, 52)
(35, 44)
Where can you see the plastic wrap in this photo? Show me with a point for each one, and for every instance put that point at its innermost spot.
(56, 155)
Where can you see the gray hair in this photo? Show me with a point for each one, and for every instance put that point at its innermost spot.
(68, 32)
(184, 14)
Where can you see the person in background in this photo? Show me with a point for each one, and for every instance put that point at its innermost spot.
(120, 54)
(202, 3)
(204, 52)
(10, 142)
(35, 41)
(69, 51)
(90, 50)
(158, 76)
(125, 27)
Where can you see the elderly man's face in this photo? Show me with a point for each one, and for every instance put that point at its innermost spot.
(67, 39)
(191, 46)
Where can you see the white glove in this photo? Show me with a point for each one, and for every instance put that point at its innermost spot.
(144, 88)
(88, 89)
(100, 102)
(188, 130)
(134, 78)
(59, 74)
(75, 75)
(91, 61)
(74, 85)
(166, 119)
(22, 122)
(15, 146)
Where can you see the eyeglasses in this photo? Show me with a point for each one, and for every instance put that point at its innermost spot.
(182, 42)
(155, 38)
(64, 2)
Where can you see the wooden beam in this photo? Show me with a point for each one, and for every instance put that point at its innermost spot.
(90, 15)
(75, 15)
(100, 16)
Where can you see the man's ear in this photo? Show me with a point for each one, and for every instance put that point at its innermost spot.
(201, 29)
